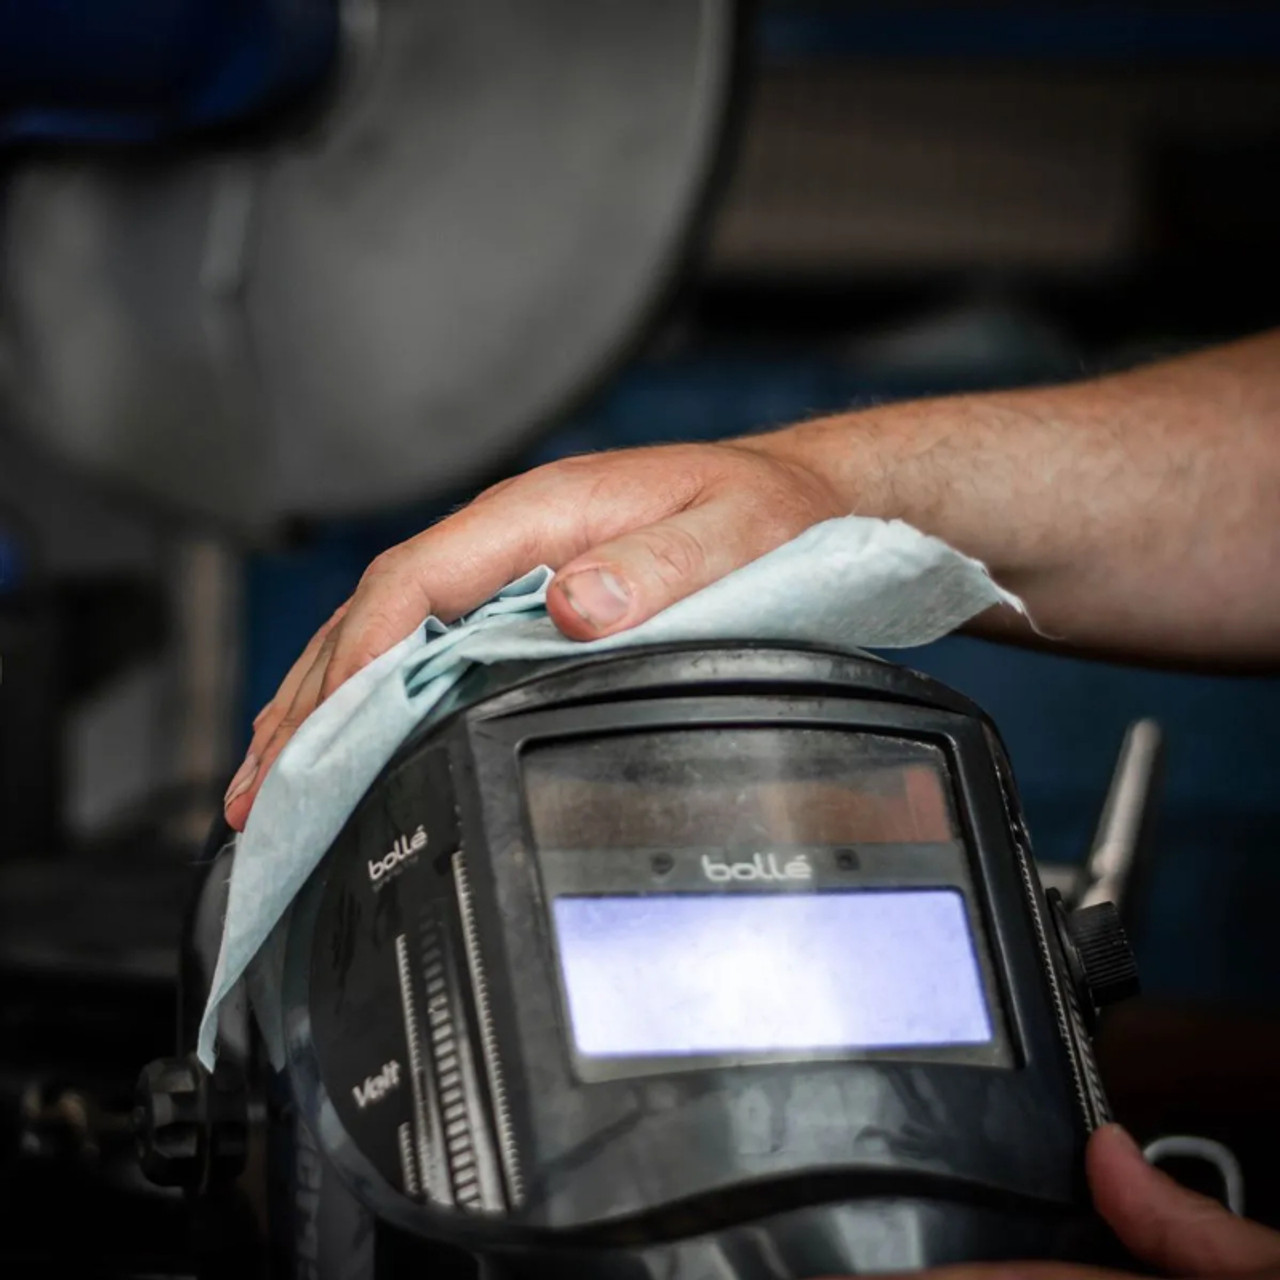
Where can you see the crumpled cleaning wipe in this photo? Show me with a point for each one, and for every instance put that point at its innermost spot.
(845, 583)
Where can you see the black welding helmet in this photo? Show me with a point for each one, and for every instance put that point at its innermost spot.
(702, 962)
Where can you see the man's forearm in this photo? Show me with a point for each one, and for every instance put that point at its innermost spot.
(1135, 514)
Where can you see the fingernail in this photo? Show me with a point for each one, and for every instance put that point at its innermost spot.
(243, 780)
(597, 596)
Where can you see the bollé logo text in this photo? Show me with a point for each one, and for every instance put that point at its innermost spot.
(760, 866)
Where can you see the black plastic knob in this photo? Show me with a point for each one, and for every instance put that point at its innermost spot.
(190, 1125)
(1107, 965)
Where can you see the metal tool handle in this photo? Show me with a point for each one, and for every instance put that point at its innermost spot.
(1124, 826)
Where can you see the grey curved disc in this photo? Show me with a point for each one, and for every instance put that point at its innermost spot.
(380, 305)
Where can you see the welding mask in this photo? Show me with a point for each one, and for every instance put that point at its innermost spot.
(695, 962)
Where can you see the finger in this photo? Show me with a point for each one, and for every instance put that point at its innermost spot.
(265, 722)
(284, 695)
(293, 678)
(621, 583)
(544, 517)
(270, 741)
(1164, 1224)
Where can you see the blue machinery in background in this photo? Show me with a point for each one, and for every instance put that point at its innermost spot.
(139, 71)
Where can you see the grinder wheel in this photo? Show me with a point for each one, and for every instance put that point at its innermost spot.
(383, 303)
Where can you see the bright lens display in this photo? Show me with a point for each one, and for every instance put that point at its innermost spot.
(747, 973)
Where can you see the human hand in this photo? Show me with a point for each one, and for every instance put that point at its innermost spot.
(629, 533)
(1162, 1224)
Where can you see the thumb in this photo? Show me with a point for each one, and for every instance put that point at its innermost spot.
(625, 581)
(1164, 1224)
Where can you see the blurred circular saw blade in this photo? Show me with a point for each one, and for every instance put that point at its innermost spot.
(385, 303)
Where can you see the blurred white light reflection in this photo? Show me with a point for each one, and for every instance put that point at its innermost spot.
(746, 972)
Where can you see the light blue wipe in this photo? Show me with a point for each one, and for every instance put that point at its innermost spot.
(848, 583)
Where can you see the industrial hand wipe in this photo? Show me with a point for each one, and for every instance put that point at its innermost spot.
(847, 583)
